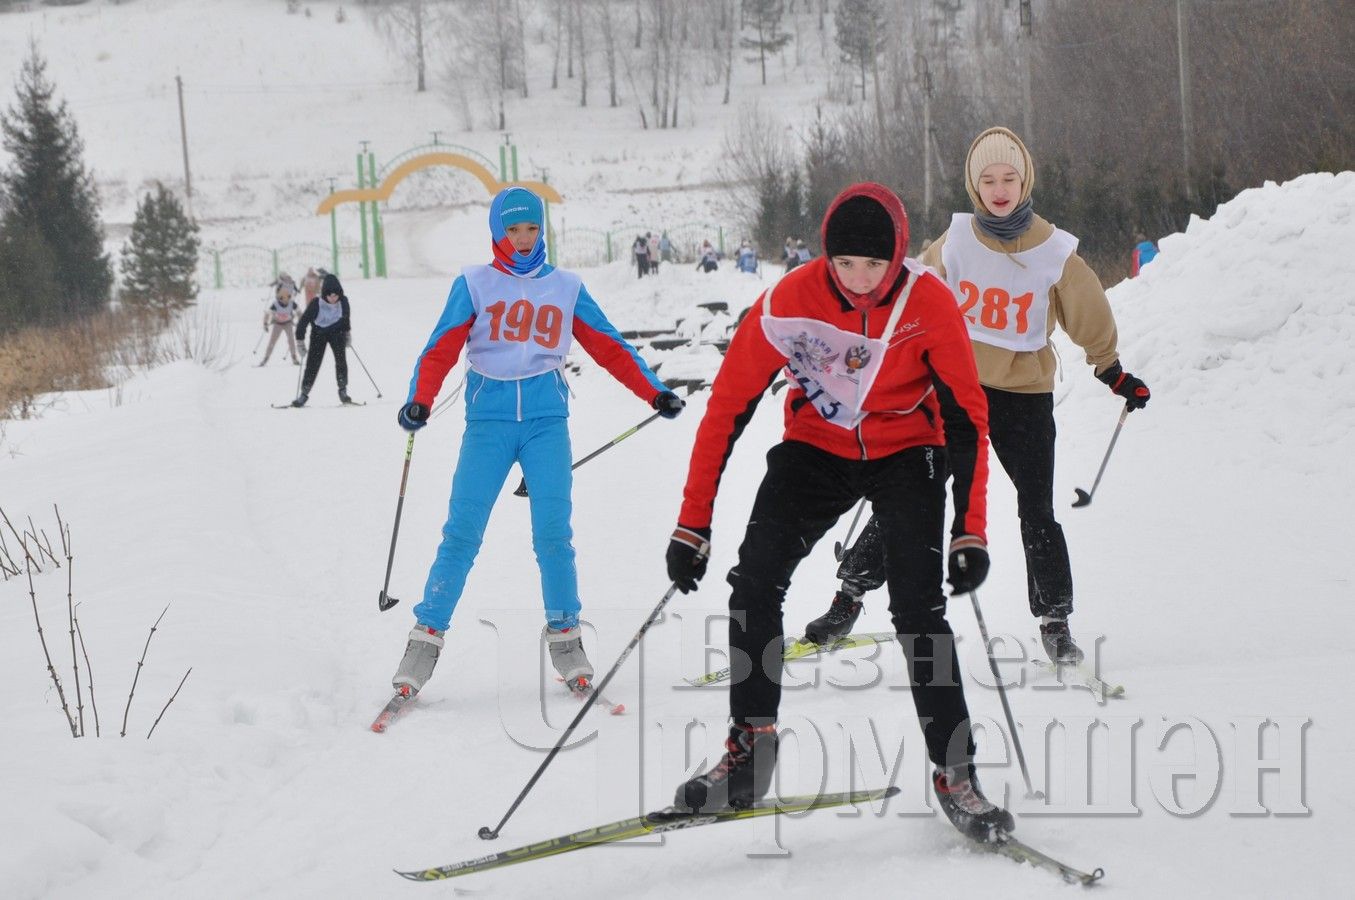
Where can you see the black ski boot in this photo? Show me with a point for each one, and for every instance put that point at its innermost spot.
(973, 814)
(741, 777)
(1058, 643)
(301, 399)
(835, 623)
(343, 396)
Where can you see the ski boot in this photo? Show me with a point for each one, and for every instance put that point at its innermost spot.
(343, 396)
(566, 654)
(741, 777)
(1058, 643)
(957, 788)
(301, 399)
(835, 623)
(421, 655)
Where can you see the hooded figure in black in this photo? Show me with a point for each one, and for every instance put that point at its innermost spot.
(328, 313)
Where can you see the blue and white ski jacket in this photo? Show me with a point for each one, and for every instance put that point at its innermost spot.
(517, 331)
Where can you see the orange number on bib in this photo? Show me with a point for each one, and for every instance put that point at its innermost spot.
(522, 320)
(995, 302)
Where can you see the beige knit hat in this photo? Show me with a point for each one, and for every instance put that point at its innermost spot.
(998, 145)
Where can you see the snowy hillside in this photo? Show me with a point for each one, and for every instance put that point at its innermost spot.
(1209, 562)
(1208, 566)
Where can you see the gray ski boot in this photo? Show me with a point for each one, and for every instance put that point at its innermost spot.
(566, 654)
(421, 655)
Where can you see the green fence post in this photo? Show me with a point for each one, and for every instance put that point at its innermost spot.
(608, 235)
(334, 240)
(515, 162)
(722, 240)
(503, 163)
(378, 234)
(276, 270)
(216, 268)
(362, 216)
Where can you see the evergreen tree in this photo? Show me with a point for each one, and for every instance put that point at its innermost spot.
(765, 18)
(159, 259)
(860, 37)
(49, 199)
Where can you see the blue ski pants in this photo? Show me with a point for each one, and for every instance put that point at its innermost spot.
(488, 450)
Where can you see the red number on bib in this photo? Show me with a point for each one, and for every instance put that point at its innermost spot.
(523, 319)
(1023, 307)
(971, 292)
(994, 314)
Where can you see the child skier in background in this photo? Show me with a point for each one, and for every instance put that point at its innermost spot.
(278, 317)
(1015, 276)
(516, 318)
(329, 313)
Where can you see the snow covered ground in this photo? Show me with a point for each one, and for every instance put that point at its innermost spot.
(1209, 561)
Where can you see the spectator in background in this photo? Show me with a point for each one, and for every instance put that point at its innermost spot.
(641, 250)
(747, 259)
(665, 248)
(789, 258)
(802, 253)
(1144, 252)
(653, 244)
(709, 260)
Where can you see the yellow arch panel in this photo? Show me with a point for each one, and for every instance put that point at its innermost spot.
(384, 190)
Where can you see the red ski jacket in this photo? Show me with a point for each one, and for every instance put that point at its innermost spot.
(927, 375)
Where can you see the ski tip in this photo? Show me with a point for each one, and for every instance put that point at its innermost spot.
(379, 726)
(619, 709)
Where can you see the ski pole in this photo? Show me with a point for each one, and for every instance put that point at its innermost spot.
(1031, 793)
(385, 601)
(490, 834)
(840, 549)
(364, 369)
(522, 487)
(258, 342)
(1085, 497)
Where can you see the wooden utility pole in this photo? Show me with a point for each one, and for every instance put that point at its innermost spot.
(183, 139)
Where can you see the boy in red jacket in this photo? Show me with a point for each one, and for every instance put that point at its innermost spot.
(877, 355)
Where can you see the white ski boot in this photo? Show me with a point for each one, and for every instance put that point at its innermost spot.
(566, 654)
(421, 655)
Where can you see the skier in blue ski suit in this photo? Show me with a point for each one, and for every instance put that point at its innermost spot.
(516, 318)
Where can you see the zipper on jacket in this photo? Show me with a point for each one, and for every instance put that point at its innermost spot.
(861, 438)
(518, 385)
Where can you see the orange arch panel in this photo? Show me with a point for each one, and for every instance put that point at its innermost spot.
(387, 187)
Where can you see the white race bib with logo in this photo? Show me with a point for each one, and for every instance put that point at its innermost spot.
(1004, 299)
(836, 368)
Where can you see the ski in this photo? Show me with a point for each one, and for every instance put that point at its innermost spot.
(582, 689)
(1011, 848)
(651, 823)
(308, 406)
(1084, 676)
(799, 648)
(398, 705)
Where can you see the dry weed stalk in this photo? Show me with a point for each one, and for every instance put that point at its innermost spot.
(51, 669)
(168, 702)
(136, 676)
(70, 620)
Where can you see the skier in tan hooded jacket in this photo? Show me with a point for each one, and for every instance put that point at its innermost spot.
(1015, 276)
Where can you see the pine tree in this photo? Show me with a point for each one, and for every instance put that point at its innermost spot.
(49, 196)
(765, 18)
(159, 259)
(860, 36)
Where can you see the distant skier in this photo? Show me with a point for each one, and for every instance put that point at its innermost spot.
(871, 430)
(516, 318)
(329, 314)
(709, 260)
(652, 242)
(1015, 276)
(279, 317)
(640, 249)
(747, 260)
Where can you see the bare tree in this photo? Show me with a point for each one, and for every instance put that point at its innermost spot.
(408, 25)
(764, 17)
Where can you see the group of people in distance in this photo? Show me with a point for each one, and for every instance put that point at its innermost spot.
(901, 373)
(326, 313)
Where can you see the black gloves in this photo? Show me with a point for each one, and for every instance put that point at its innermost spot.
(669, 404)
(412, 416)
(968, 564)
(1132, 389)
(688, 550)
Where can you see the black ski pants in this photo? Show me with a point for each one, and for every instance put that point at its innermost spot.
(1021, 429)
(316, 353)
(802, 495)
